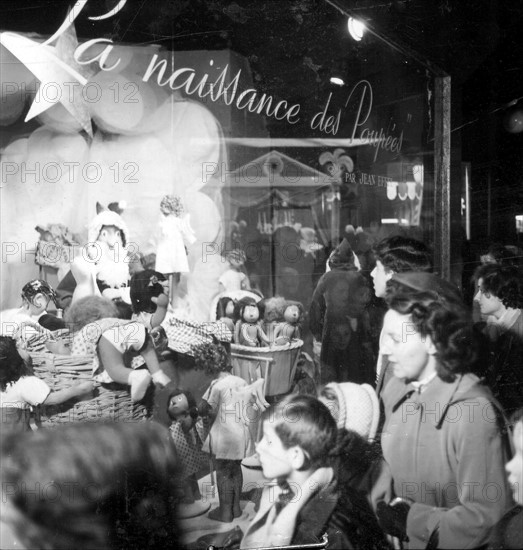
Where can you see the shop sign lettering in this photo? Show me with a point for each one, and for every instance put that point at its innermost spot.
(225, 87)
(363, 178)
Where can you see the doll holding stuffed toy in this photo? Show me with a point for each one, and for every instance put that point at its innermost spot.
(120, 348)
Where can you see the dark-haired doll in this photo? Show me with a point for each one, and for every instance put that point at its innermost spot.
(248, 330)
(225, 311)
(177, 410)
(149, 297)
(227, 403)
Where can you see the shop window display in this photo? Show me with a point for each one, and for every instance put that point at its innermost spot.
(228, 110)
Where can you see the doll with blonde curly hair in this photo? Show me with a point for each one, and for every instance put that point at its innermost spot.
(174, 233)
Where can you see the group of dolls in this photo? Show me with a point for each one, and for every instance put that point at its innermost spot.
(256, 323)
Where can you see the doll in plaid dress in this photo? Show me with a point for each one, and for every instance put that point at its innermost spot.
(182, 410)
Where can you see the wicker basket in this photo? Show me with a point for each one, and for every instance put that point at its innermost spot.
(275, 364)
(108, 402)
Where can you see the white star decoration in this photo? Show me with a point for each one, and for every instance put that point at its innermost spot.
(61, 78)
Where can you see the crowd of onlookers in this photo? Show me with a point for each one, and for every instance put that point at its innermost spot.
(414, 440)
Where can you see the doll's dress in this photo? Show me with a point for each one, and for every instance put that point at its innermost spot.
(173, 233)
(127, 336)
(230, 437)
(246, 339)
(287, 332)
(188, 447)
(233, 280)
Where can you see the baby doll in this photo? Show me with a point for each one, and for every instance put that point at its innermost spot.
(248, 330)
(173, 235)
(303, 451)
(234, 278)
(232, 406)
(289, 330)
(113, 343)
(20, 390)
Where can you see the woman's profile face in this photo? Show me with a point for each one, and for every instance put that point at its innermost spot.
(411, 354)
(380, 275)
(488, 303)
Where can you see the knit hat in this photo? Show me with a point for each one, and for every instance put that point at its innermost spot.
(107, 217)
(359, 409)
(429, 282)
(342, 257)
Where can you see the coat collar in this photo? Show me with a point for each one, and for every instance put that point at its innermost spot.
(317, 511)
(440, 393)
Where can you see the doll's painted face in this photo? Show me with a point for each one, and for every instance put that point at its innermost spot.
(178, 406)
(292, 314)
(165, 209)
(251, 314)
(110, 235)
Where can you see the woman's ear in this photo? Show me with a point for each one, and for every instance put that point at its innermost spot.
(429, 345)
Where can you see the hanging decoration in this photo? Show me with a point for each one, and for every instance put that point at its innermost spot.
(61, 79)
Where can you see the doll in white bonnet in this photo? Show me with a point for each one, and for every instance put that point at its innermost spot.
(355, 407)
(103, 267)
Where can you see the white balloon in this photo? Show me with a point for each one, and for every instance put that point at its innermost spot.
(70, 148)
(198, 153)
(16, 151)
(126, 103)
(58, 118)
(205, 217)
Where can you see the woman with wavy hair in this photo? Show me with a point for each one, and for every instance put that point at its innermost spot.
(500, 298)
(444, 436)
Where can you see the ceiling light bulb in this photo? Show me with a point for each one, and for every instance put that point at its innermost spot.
(337, 80)
(356, 28)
